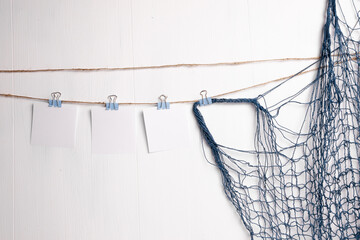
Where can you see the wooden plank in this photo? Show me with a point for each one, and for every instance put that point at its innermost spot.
(6, 126)
(69, 193)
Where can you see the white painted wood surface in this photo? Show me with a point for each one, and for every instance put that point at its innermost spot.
(69, 194)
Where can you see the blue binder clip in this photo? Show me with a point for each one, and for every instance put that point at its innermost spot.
(162, 104)
(205, 100)
(112, 104)
(55, 100)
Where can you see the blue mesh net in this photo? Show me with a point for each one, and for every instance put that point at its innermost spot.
(302, 183)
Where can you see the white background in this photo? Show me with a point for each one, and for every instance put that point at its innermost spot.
(54, 193)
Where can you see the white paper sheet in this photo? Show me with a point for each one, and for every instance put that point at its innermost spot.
(113, 132)
(166, 129)
(52, 126)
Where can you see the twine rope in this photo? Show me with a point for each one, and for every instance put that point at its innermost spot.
(189, 65)
(174, 102)
(304, 71)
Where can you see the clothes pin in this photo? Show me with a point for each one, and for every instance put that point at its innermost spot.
(55, 100)
(205, 100)
(162, 104)
(112, 104)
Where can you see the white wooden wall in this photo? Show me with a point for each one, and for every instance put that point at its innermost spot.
(70, 194)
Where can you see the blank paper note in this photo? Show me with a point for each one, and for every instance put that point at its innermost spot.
(166, 129)
(113, 132)
(52, 126)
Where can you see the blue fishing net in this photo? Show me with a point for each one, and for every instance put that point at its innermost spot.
(302, 183)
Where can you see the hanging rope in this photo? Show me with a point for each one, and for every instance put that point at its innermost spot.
(188, 65)
(145, 103)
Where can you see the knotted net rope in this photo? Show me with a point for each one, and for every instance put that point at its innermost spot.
(302, 182)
